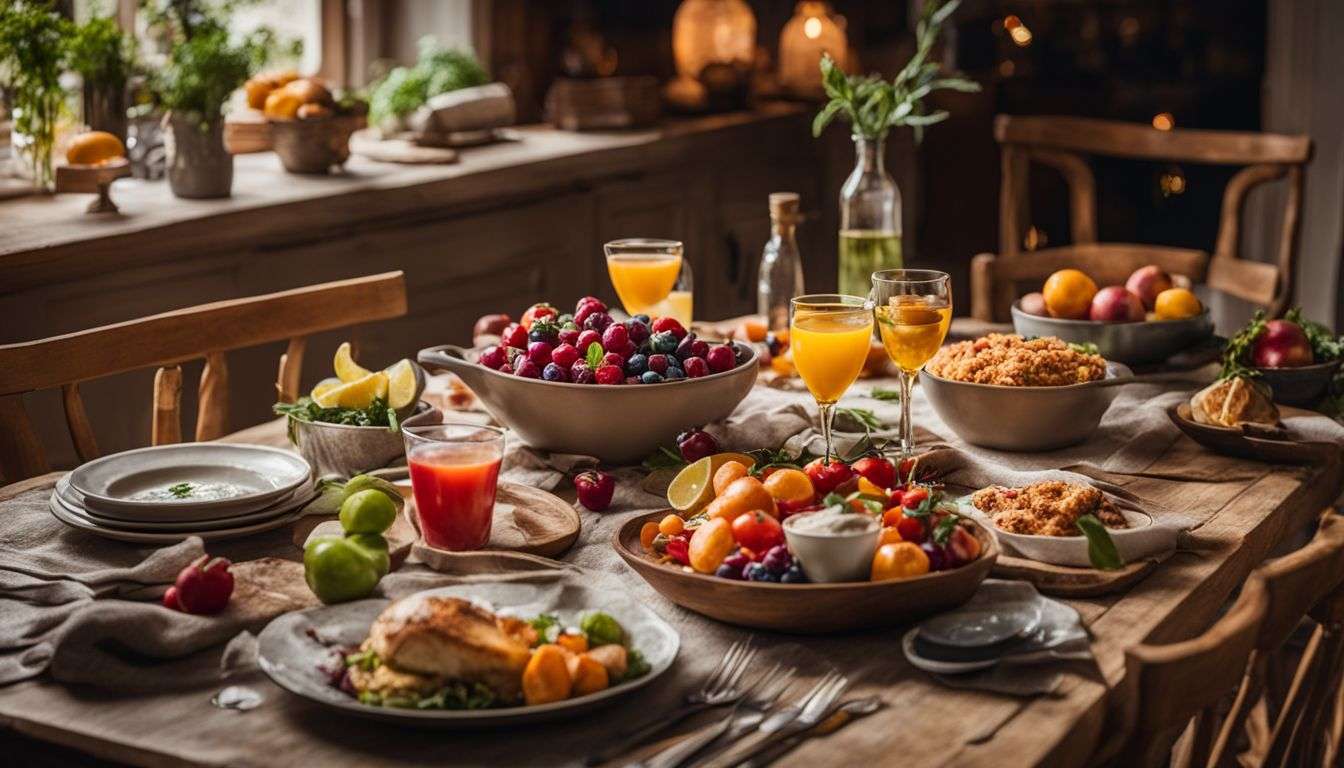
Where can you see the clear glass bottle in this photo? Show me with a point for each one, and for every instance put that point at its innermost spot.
(870, 219)
(781, 275)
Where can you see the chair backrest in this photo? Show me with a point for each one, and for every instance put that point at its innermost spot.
(1298, 581)
(1065, 143)
(166, 341)
(1167, 685)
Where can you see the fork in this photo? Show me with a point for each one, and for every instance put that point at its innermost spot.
(794, 718)
(747, 714)
(720, 688)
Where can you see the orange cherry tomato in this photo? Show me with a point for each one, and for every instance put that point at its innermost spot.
(889, 535)
(710, 543)
(901, 560)
(671, 525)
(646, 534)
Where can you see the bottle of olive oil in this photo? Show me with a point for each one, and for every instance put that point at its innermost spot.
(870, 219)
(781, 275)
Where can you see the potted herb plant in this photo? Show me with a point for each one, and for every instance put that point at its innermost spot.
(205, 65)
(103, 56)
(870, 203)
(32, 57)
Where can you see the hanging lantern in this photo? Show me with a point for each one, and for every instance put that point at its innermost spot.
(812, 31)
(708, 32)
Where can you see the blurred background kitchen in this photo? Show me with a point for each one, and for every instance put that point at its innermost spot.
(659, 118)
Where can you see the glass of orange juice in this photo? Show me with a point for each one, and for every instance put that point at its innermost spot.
(914, 310)
(829, 335)
(454, 471)
(651, 277)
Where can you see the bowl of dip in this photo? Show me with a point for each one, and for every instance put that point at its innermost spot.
(833, 546)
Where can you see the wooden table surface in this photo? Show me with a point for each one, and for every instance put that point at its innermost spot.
(926, 724)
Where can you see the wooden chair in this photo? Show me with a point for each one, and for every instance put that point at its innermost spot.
(166, 341)
(1165, 686)
(1064, 143)
(1290, 729)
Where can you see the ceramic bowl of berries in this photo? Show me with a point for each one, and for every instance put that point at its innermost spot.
(590, 384)
(741, 546)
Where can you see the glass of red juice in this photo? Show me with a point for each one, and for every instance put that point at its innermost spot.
(454, 469)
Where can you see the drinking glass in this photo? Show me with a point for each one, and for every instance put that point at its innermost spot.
(454, 471)
(914, 309)
(651, 277)
(829, 336)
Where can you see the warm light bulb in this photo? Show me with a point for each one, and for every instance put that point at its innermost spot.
(812, 28)
(1164, 121)
(1021, 35)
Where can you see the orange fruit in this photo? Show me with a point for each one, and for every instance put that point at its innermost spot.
(1176, 303)
(647, 532)
(726, 474)
(790, 485)
(282, 104)
(258, 88)
(710, 543)
(671, 525)
(94, 148)
(743, 495)
(1068, 293)
(889, 535)
(752, 329)
(900, 560)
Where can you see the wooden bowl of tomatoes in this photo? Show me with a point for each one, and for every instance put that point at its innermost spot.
(807, 608)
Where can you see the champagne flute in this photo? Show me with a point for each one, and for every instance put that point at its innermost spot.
(914, 309)
(829, 336)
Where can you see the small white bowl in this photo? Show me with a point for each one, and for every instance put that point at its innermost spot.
(1143, 538)
(832, 557)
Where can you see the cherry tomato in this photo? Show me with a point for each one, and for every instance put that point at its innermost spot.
(901, 560)
(911, 528)
(877, 470)
(912, 498)
(894, 498)
(827, 477)
(889, 535)
(891, 517)
(757, 531)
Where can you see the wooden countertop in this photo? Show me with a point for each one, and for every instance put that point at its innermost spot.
(49, 238)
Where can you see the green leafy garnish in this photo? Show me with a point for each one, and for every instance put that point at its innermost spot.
(943, 530)
(438, 70)
(1101, 549)
(181, 490)
(594, 355)
(864, 417)
(873, 106)
(460, 696)
(376, 415)
(547, 626)
(365, 660)
(1325, 346)
(664, 458)
(1237, 353)
(879, 393)
(1084, 348)
(635, 665)
(601, 629)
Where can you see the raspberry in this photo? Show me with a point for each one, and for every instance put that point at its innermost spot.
(609, 374)
(564, 355)
(695, 367)
(669, 324)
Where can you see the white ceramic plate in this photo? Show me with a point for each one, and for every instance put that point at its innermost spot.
(284, 516)
(1142, 539)
(226, 477)
(290, 654)
(979, 626)
(70, 499)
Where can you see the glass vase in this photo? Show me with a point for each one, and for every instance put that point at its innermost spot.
(870, 219)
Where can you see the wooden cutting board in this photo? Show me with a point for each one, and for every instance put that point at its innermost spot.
(1063, 581)
(527, 520)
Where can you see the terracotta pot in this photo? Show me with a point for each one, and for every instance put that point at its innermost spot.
(198, 165)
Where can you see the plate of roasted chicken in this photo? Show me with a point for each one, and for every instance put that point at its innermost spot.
(470, 655)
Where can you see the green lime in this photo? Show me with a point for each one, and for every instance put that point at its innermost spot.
(338, 570)
(369, 511)
(375, 548)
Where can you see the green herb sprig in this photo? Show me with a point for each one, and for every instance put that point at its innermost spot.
(376, 415)
(181, 490)
(1237, 353)
(873, 106)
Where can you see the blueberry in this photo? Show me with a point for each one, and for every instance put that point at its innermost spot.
(643, 318)
(651, 377)
(776, 562)
(553, 372)
(548, 333)
(664, 342)
(756, 572)
(684, 347)
(674, 373)
(637, 364)
(726, 571)
(793, 576)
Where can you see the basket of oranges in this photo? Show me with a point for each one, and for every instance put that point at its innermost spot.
(309, 127)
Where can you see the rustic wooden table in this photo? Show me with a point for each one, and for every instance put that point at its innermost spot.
(926, 724)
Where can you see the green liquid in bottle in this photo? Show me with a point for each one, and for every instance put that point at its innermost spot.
(863, 252)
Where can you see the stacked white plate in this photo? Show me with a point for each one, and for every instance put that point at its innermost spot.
(164, 494)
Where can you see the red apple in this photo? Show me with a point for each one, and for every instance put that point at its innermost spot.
(1281, 345)
(1115, 304)
(1033, 304)
(1147, 282)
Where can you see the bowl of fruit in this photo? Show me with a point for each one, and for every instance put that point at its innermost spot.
(1299, 359)
(828, 547)
(1146, 320)
(589, 384)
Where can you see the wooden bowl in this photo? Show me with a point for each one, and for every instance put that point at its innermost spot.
(1145, 341)
(1259, 442)
(314, 146)
(1302, 386)
(808, 609)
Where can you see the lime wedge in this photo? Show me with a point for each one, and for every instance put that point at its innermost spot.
(347, 369)
(359, 393)
(403, 383)
(693, 486)
(325, 385)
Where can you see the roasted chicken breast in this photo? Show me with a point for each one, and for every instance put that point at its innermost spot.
(445, 638)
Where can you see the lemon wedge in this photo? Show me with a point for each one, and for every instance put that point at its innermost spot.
(403, 383)
(359, 393)
(347, 369)
(693, 487)
(325, 385)
(719, 459)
